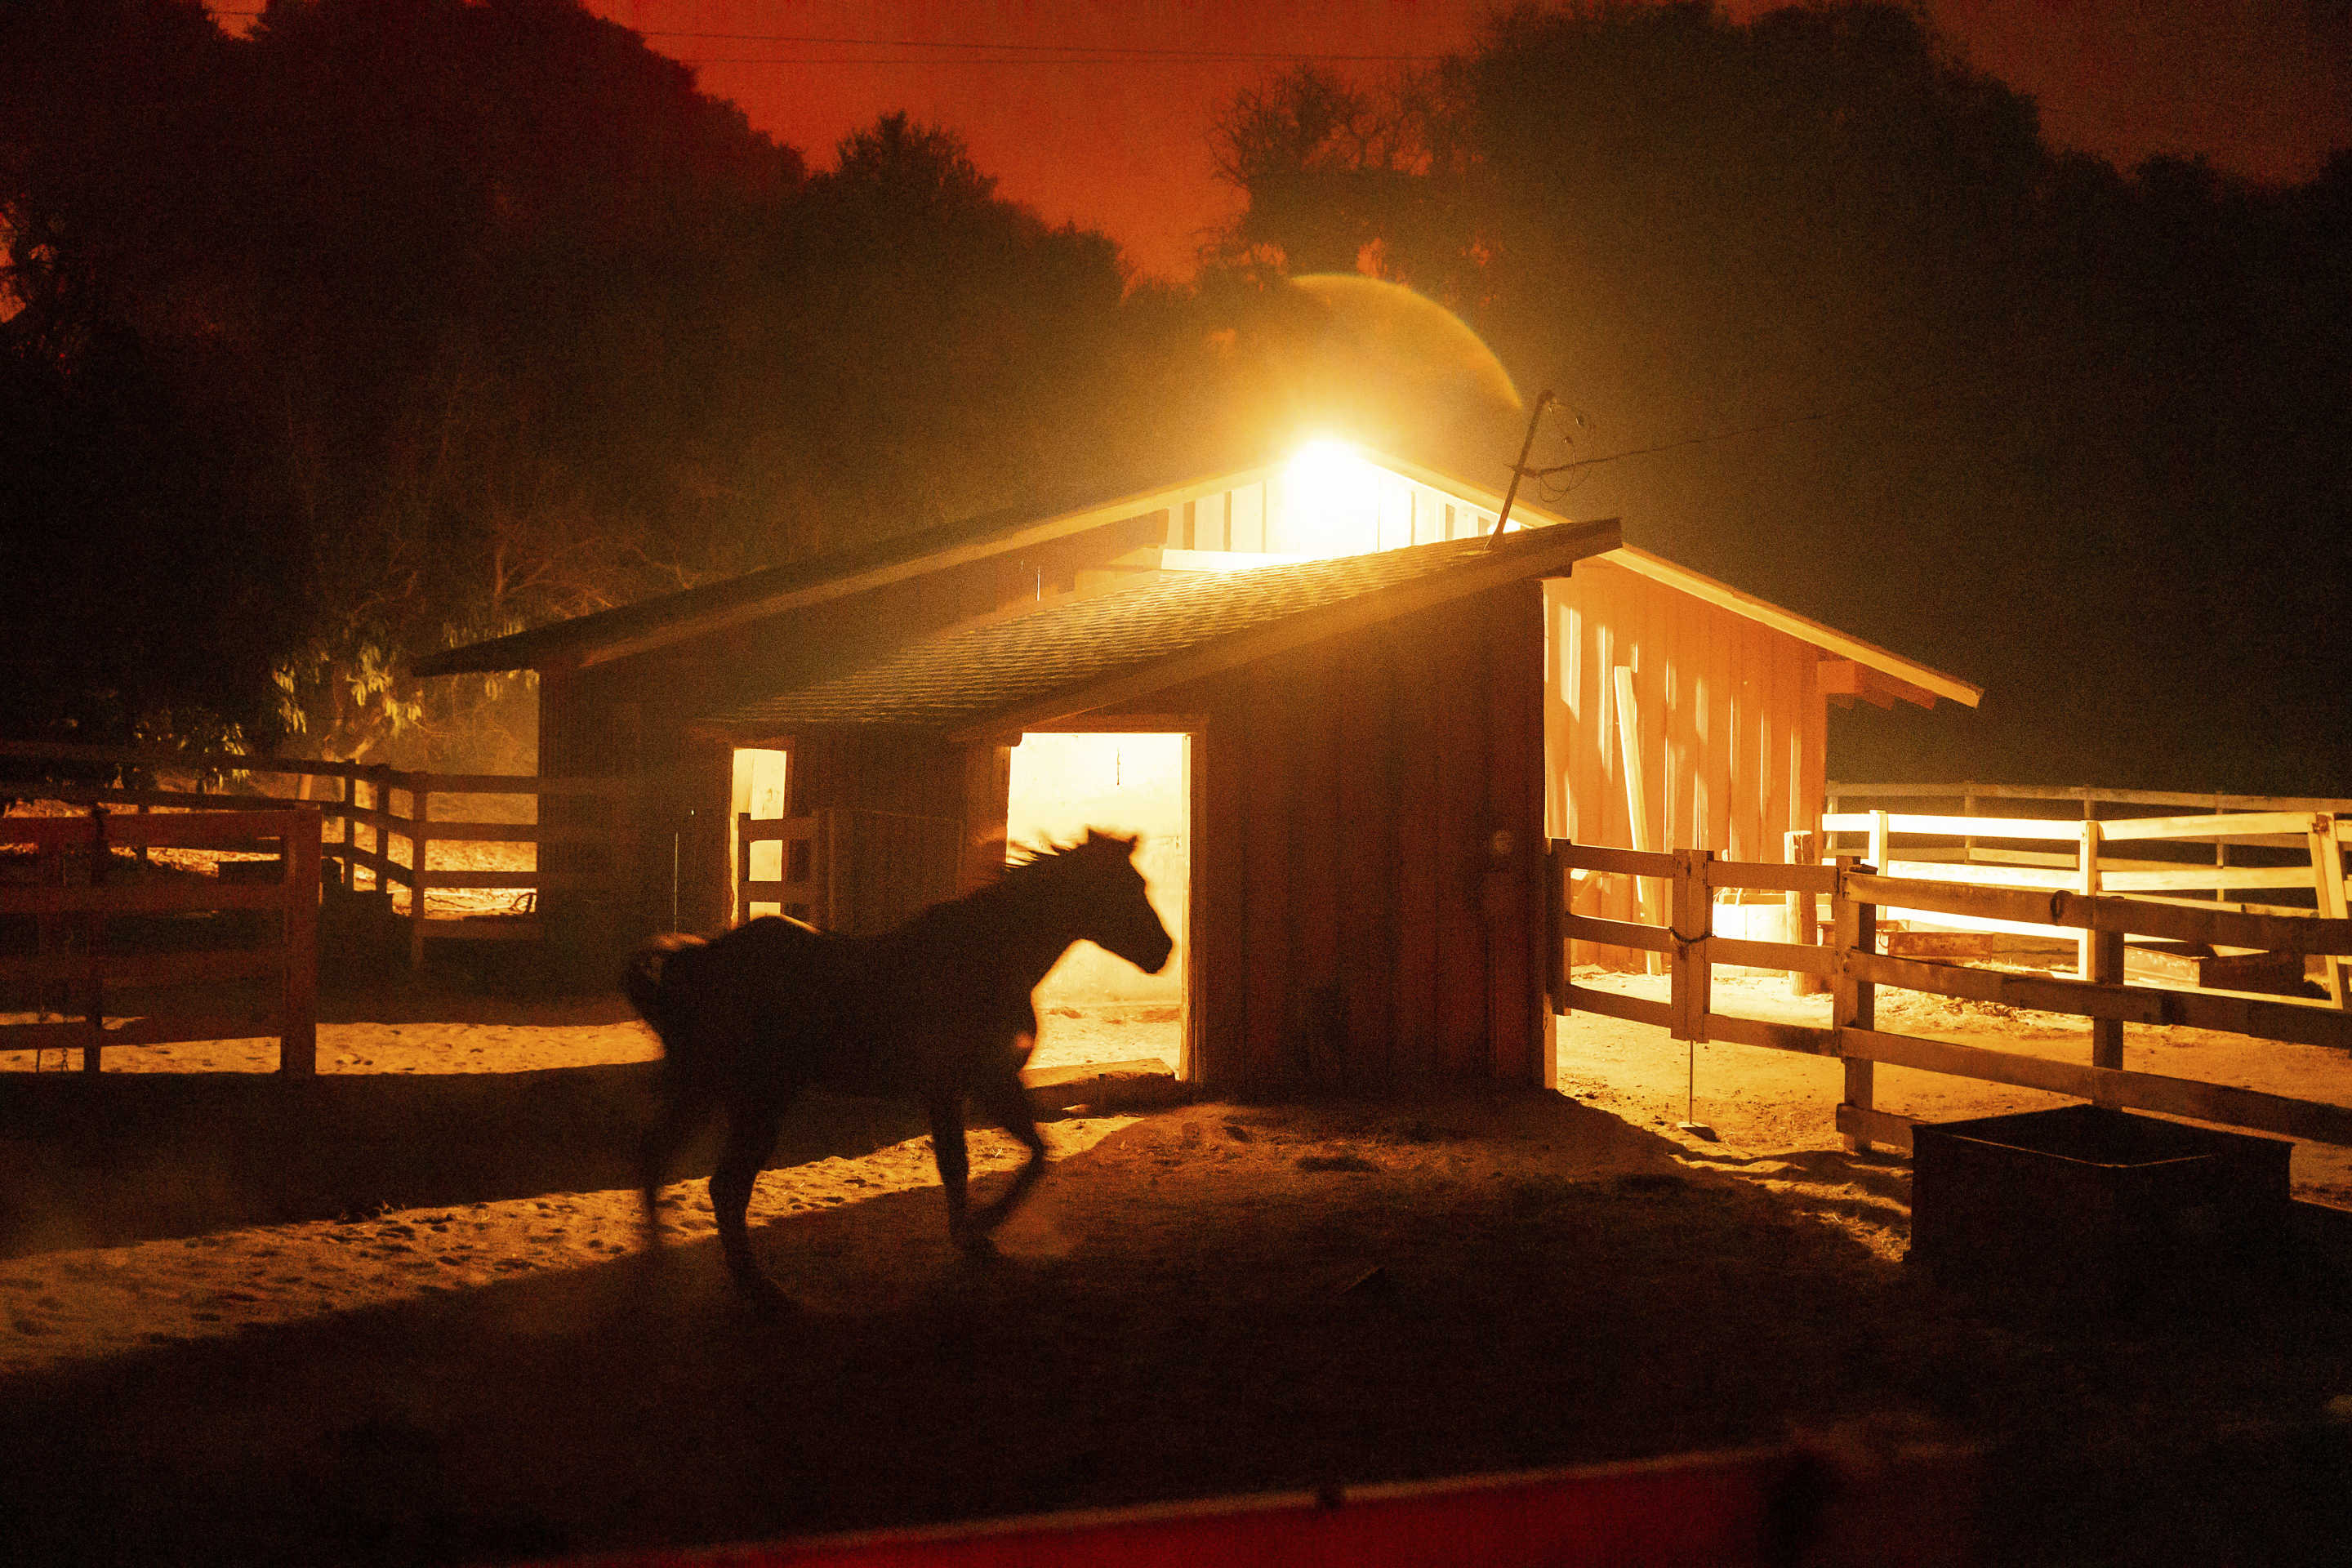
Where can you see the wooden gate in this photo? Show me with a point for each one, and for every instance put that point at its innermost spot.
(78, 889)
(596, 839)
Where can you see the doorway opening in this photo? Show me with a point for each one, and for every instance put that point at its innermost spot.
(1093, 1008)
(760, 795)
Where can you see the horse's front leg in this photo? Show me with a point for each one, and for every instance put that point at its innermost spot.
(1005, 1103)
(750, 1137)
(955, 1167)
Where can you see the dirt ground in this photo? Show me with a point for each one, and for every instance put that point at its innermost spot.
(399, 1313)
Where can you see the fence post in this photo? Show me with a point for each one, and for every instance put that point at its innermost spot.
(420, 839)
(48, 938)
(1882, 842)
(742, 901)
(2086, 944)
(347, 875)
(380, 804)
(298, 1004)
(2220, 855)
(1854, 1001)
(1690, 976)
(1556, 886)
(93, 942)
(2328, 888)
(1802, 848)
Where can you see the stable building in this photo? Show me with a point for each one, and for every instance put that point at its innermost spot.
(1343, 713)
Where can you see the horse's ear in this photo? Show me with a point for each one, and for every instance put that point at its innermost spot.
(1096, 836)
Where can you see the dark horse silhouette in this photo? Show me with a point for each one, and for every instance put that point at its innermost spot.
(934, 1011)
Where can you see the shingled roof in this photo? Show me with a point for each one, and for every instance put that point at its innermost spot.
(1090, 653)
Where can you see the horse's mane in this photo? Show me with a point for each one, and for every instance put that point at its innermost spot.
(1020, 856)
(1029, 866)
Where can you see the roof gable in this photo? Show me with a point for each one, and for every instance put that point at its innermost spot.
(1905, 672)
(697, 612)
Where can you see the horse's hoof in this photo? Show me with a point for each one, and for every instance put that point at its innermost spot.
(978, 1245)
(767, 1298)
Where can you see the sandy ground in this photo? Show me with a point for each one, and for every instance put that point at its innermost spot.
(400, 1312)
(66, 1303)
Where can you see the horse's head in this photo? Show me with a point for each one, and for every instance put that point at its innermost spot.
(1112, 910)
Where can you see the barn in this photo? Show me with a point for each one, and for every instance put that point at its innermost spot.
(1344, 713)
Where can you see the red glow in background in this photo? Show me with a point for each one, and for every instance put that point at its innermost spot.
(1119, 140)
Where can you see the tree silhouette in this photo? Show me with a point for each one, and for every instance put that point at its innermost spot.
(1874, 350)
(401, 322)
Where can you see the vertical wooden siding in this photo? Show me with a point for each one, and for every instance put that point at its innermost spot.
(1732, 726)
(1355, 928)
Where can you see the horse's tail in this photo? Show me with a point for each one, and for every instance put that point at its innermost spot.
(649, 982)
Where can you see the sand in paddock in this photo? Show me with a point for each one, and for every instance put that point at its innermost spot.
(401, 1313)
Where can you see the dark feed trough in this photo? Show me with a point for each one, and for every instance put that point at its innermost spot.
(2092, 1207)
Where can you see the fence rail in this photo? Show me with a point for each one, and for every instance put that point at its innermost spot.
(1839, 790)
(801, 887)
(61, 907)
(365, 825)
(1855, 967)
(2088, 865)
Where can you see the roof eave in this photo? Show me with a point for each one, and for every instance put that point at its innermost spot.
(1919, 679)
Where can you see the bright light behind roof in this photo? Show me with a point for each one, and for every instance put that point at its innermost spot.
(1330, 500)
(1326, 462)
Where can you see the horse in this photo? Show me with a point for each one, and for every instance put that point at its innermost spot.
(934, 1011)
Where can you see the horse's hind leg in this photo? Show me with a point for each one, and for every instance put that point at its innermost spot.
(1004, 1101)
(750, 1139)
(682, 1110)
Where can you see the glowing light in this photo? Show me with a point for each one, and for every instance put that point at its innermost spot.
(1331, 501)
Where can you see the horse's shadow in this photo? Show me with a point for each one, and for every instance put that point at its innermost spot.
(138, 1156)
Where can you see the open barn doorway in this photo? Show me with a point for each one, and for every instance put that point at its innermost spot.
(1095, 1007)
(760, 795)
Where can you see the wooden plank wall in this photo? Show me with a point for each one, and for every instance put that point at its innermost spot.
(1353, 928)
(1732, 726)
(591, 728)
(907, 799)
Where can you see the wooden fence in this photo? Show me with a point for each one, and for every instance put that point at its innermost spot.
(1846, 792)
(1983, 849)
(78, 889)
(1851, 963)
(369, 834)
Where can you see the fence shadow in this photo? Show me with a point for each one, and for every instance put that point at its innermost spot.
(130, 1157)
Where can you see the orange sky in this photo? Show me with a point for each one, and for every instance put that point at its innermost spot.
(1099, 110)
(1076, 121)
